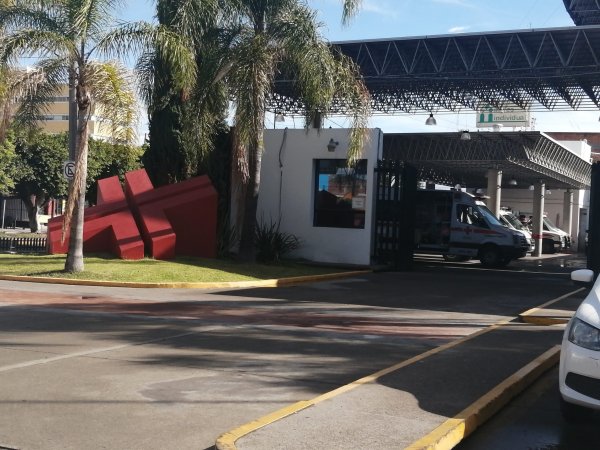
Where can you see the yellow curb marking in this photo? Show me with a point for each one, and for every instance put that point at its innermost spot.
(227, 440)
(454, 430)
(529, 316)
(291, 281)
(545, 321)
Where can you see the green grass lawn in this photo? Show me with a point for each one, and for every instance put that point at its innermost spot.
(182, 269)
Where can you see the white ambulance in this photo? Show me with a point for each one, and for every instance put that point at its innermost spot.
(458, 226)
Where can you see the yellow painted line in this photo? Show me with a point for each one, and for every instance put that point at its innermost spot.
(454, 430)
(290, 281)
(227, 440)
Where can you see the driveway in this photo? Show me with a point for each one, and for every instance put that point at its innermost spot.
(84, 367)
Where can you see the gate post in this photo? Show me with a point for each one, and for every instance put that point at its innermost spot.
(593, 257)
(408, 204)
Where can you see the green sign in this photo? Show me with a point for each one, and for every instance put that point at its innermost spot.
(508, 116)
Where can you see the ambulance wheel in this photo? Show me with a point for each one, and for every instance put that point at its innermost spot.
(490, 256)
(504, 262)
(456, 258)
(548, 246)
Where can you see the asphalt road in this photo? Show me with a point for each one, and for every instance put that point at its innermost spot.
(89, 368)
(533, 421)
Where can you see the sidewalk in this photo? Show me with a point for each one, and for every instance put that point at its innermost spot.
(420, 403)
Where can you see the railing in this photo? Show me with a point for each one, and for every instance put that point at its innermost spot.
(22, 245)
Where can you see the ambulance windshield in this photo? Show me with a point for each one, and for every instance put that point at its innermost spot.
(489, 216)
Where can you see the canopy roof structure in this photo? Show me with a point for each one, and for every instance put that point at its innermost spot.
(526, 157)
(554, 68)
(584, 12)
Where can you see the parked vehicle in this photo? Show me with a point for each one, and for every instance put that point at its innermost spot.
(564, 240)
(553, 238)
(579, 372)
(458, 226)
(511, 221)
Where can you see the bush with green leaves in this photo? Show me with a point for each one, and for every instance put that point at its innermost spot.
(272, 244)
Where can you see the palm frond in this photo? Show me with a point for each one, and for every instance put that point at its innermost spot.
(141, 37)
(35, 43)
(25, 15)
(350, 9)
(33, 91)
(112, 89)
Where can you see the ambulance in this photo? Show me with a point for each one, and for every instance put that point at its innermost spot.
(458, 226)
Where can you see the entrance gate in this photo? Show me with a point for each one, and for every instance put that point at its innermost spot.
(396, 188)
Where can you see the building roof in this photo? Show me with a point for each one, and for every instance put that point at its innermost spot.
(526, 157)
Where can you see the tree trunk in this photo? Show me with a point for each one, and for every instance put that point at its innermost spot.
(32, 215)
(247, 247)
(74, 262)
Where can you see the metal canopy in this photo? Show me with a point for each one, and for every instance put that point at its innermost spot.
(525, 156)
(584, 12)
(554, 69)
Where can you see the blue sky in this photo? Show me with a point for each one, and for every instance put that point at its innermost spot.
(400, 18)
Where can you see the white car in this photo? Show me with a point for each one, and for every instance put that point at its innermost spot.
(579, 378)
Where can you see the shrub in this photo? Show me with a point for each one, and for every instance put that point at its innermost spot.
(272, 244)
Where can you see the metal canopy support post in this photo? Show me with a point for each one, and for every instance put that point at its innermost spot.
(538, 216)
(567, 224)
(494, 190)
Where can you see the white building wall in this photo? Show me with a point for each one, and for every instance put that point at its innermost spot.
(287, 191)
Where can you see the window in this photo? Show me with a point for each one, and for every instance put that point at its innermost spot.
(470, 215)
(340, 194)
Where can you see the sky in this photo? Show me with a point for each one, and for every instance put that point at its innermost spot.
(379, 19)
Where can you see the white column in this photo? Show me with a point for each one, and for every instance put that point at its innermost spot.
(538, 216)
(494, 186)
(567, 224)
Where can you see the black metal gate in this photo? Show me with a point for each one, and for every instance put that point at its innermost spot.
(396, 187)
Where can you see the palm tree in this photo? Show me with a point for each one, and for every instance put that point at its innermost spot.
(182, 130)
(282, 36)
(240, 47)
(72, 39)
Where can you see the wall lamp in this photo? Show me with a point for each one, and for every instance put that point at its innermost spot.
(512, 182)
(465, 136)
(332, 145)
(431, 120)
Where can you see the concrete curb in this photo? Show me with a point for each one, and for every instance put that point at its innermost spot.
(533, 316)
(544, 320)
(454, 430)
(291, 281)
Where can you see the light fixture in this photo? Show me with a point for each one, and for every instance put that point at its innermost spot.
(465, 136)
(531, 187)
(279, 117)
(332, 145)
(431, 120)
(548, 192)
(512, 182)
